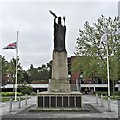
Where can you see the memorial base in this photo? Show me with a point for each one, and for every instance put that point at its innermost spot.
(59, 101)
(59, 82)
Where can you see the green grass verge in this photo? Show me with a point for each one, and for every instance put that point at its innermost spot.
(6, 99)
(111, 97)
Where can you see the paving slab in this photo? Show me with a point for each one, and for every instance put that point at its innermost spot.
(89, 101)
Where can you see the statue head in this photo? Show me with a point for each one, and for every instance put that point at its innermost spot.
(59, 20)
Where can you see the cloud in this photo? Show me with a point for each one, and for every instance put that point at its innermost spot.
(35, 26)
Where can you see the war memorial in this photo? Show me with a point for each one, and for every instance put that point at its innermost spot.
(59, 102)
(59, 96)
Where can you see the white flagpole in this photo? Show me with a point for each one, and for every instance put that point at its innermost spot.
(16, 67)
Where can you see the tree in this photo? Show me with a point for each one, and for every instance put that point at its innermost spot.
(26, 78)
(10, 68)
(88, 45)
(42, 72)
(5, 69)
(33, 73)
(24, 89)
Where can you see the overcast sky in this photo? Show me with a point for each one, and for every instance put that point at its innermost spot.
(35, 26)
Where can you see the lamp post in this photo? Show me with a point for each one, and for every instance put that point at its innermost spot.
(108, 71)
(107, 51)
(107, 54)
(104, 41)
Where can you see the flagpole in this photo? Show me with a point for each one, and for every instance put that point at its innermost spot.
(16, 68)
(108, 72)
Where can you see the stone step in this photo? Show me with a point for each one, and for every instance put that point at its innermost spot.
(12, 118)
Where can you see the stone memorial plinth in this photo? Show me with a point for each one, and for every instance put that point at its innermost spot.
(59, 81)
(59, 101)
(59, 95)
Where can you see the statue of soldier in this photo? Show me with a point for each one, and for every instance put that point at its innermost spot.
(59, 34)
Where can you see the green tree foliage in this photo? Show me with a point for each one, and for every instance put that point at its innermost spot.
(43, 72)
(5, 69)
(24, 89)
(88, 45)
(10, 68)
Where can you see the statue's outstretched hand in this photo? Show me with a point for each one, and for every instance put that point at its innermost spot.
(53, 14)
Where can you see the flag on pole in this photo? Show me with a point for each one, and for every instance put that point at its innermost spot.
(11, 46)
(103, 40)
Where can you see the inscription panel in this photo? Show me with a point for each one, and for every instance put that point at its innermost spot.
(40, 101)
(78, 101)
(53, 101)
(59, 101)
(65, 101)
(46, 101)
(71, 100)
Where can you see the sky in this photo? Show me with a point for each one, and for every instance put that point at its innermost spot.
(35, 26)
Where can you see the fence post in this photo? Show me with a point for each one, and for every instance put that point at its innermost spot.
(19, 102)
(26, 99)
(101, 100)
(96, 98)
(10, 105)
(119, 108)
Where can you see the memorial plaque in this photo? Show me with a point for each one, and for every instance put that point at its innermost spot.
(65, 101)
(59, 101)
(78, 101)
(53, 101)
(46, 101)
(71, 101)
(40, 101)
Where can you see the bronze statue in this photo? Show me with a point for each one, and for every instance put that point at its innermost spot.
(59, 33)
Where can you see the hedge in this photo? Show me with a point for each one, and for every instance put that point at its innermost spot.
(10, 94)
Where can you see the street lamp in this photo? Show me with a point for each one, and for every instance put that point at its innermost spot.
(104, 42)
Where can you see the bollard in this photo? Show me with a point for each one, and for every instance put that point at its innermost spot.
(19, 102)
(109, 104)
(119, 108)
(26, 99)
(37, 91)
(96, 98)
(10, 105)
(101, 100)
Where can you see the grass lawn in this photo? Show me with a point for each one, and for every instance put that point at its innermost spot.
(111, 97)
(5, 99)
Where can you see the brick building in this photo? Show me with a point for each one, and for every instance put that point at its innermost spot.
(73, 75)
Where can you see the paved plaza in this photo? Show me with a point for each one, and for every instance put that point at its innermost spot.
(96, 113)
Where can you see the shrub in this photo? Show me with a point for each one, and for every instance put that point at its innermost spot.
(33, 93)
(10, 94)
(117, 93)
(25, 89)
(102, 93)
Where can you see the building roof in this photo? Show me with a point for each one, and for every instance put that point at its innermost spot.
(32, 85)
(46, 85)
